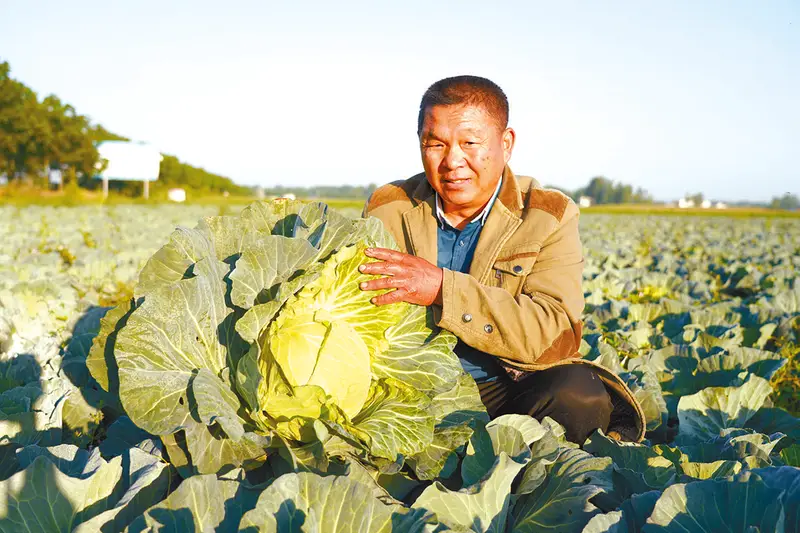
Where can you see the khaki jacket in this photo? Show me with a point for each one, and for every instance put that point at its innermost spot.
(522, 299)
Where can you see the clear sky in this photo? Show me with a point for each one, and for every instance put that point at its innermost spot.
(675, 97)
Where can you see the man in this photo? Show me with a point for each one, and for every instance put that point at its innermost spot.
(498, 258)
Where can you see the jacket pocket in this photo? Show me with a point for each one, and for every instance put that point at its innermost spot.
(512, 267)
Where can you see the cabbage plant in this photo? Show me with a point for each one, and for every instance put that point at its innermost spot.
(249, 337)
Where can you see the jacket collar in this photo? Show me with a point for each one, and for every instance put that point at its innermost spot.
(510, 194)
(482, 216)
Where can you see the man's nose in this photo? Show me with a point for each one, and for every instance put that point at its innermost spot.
(454, 158)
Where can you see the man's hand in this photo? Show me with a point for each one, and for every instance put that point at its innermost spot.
(413, 279)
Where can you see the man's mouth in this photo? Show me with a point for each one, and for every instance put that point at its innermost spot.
(456, 185)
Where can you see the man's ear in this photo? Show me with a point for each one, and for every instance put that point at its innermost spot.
(509, 137)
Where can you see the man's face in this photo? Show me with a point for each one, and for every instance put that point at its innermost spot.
(464, 151)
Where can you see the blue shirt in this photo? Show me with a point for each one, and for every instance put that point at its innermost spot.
(455, 251)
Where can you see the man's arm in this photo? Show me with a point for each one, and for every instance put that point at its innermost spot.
(542, 325)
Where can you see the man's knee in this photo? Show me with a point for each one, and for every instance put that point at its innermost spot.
(580, 401)
(572, 395)
(578, 387)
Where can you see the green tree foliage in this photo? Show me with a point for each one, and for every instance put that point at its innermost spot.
(100, 134)
(41, 134)
(604, 191)
(788, 201)
(697, 198)
(175, 173)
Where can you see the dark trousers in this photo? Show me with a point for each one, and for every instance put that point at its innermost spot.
(572, 395)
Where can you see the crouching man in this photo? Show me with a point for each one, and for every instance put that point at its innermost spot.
(499, 260)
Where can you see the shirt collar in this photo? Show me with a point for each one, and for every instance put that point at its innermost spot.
(481, 217)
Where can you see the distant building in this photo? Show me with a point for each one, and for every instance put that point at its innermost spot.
(56, 176)
(685, 203)
(176, 195)
(287, 196)
(721, 205)
(585, 201)
(706, 204)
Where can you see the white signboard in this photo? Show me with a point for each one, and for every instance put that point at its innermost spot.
(129, 161)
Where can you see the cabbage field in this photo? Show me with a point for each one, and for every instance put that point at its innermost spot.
(229, 376)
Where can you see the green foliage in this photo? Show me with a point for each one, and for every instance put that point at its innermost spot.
(696, 198)
(603, 191)
(73, 490)
(255, 334)
(788, 201)
(326, 505)
(38, 135)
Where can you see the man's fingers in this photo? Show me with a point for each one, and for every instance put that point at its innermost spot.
(380, 283)
(392, 297)
(381, 268)
(384, 254)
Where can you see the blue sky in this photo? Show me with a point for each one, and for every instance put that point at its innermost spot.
(675, 97)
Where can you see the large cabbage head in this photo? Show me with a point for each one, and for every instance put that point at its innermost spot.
(250, 335)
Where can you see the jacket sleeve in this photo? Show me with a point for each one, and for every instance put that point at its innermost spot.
(540, 326)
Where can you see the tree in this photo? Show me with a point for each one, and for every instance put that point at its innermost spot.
(788, 201)
(24, 130)
(40, 135)
(71, 147)
(604, 191)
(697, 198)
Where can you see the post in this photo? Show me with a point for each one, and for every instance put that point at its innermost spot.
(146, 189)
(105, 187)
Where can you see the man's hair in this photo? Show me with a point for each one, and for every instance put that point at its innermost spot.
(466, 90)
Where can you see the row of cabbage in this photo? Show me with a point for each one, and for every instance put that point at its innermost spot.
(187, 407)
(57, 266)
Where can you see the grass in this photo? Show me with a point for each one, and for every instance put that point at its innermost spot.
(25, 196)
(344, 203)
(57, 199)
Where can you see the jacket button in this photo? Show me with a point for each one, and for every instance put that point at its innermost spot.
(488, 328)
(466, 317)
(517, 269)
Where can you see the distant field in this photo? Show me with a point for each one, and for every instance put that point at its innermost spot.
(83, 197)
(637, 209)
(645, 209)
